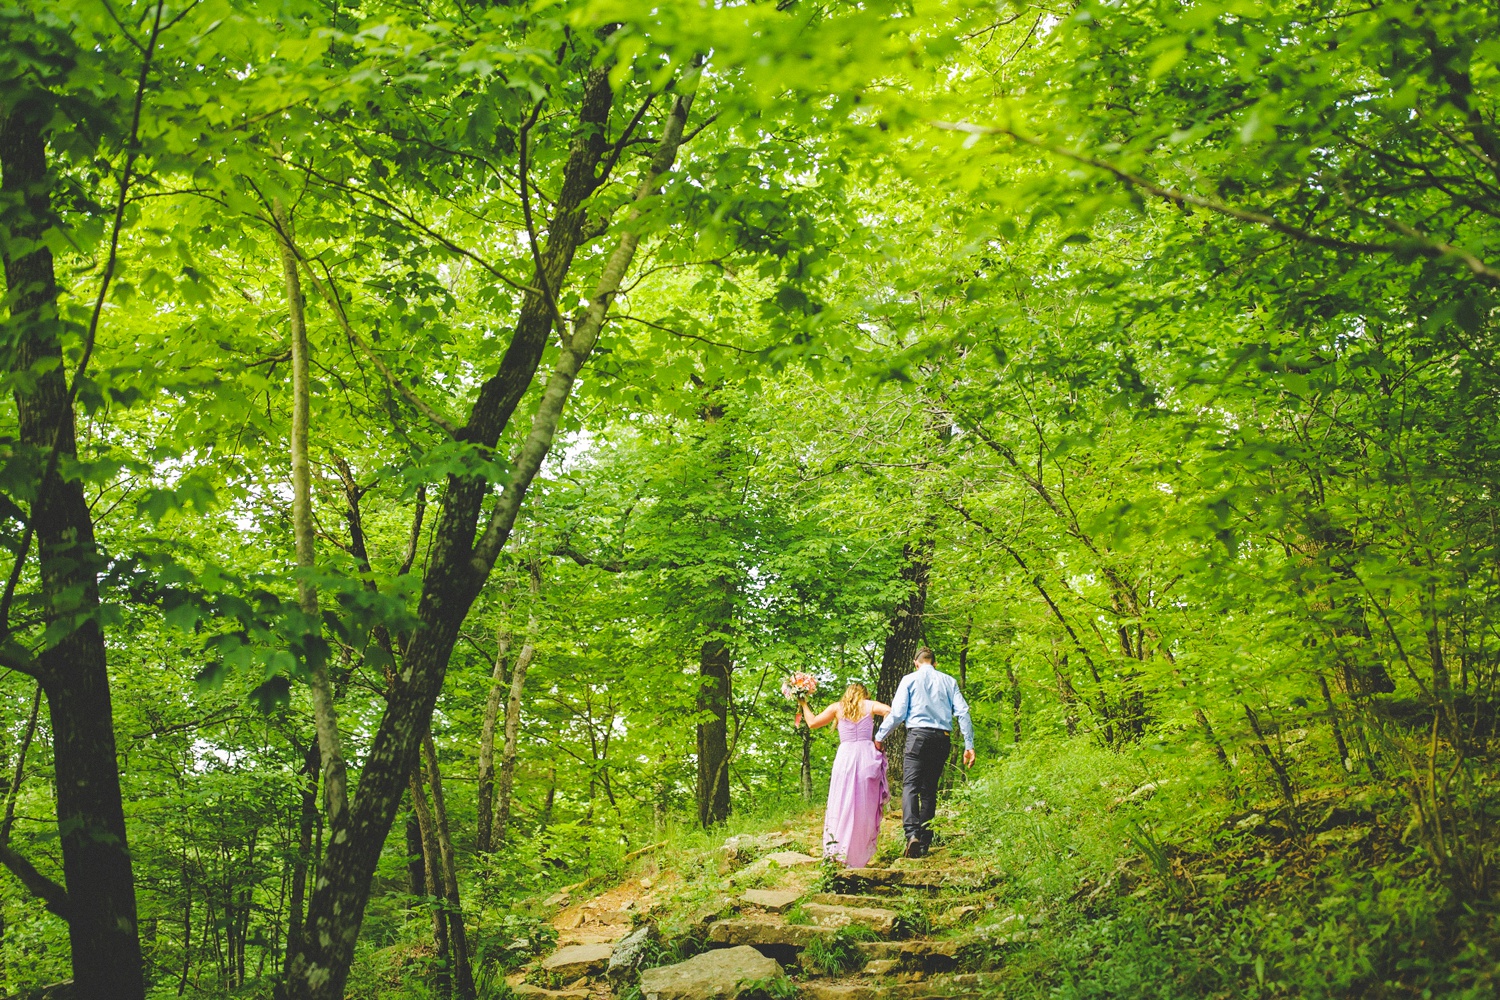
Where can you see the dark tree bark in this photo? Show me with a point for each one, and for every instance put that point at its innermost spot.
(416, 866)
(714, 667)
(307, 823)
(432, 884)
(903, 639)
(458, 935)
(807, 783)
(102, 929)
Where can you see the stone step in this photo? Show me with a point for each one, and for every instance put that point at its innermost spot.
(879, 919)
(916, 954)
(933, 988)
(531, 992)
(765, 932)
(578, 960)
(774, 862)
(928, 879)
(723, 973)
(845, 899)
(774, 900)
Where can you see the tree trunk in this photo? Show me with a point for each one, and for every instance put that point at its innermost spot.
(512, 739)
(102, 932)
(903, 639)
(416, 866)
(433, 884)
(963, 655)
(325, 716)
(807, 785)
(513, 713)
(306, 824)
(714, 667)
(1015, 703)
(457, 934)
(459, 568)
(486, 809)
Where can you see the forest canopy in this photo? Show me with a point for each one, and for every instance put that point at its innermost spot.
(432, 430)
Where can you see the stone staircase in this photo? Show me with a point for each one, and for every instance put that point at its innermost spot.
(876, 923)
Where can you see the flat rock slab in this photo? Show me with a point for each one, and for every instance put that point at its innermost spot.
(909, 878)
(775, 900)
(878, 919)
(764, 932)
(915, 948)
(538, 993)
(881, 989)
(918, 954)
(814, 990)
(722, 973)
(578, 960)
(845, 899)
(791, 859)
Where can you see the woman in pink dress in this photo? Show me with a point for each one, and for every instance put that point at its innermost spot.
(857, 790)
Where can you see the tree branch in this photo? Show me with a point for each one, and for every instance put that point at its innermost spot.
(1419, 242)
(39, 885)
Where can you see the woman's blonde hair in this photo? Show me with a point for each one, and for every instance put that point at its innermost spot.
(850, 703)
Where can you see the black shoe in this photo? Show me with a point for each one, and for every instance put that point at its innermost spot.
(913, 848)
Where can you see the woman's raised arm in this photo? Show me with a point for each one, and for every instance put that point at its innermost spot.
(823, 718)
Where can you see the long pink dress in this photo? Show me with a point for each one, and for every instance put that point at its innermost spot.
(856, 795)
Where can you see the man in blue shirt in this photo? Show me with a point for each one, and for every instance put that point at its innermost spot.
(926, 700)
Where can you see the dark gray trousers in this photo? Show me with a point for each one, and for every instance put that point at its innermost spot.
(922, 767)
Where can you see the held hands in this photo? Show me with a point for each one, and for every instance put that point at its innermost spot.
(880, 745)
(968, 757)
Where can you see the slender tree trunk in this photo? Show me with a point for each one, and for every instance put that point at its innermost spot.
(1283, 778)
(416, 868)
(458, 569)
(714, 666)
(102, 931)
(551, 798)
(903, 639)
(14, 791)
(963, 656)
(1015, 703)
(807, 784)
(1333, 721)
(457, 934)
(506, 792)
(325, 716)
(486, 809)
(432, 867)
(513, 713)
(1213, 741)
(307, 822)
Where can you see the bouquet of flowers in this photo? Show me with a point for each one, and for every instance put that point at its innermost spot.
(797, 688)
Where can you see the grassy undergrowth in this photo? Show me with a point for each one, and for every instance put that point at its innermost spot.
(1132, 884)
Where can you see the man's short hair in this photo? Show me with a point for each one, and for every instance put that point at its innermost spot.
(925, 655)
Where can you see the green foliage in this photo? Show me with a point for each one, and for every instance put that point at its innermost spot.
(839, 952)
(1167, 330)
(775, 988)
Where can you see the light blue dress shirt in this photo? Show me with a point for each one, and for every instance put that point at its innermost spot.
(927, 698)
